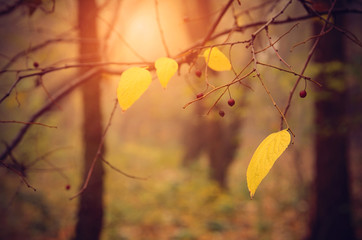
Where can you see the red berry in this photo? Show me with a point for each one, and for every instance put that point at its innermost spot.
(67, 187)
(198, 73)
(221, 113)
(231, 102)
(36, 64)
(199, 95)
(303, 94)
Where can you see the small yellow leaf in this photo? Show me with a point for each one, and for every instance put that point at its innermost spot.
(165, 69)
(264, 157)
(216, 60)
(133, 83)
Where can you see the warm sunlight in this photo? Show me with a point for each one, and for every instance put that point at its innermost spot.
(141, 30)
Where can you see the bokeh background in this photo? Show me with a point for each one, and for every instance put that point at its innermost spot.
(175, 154)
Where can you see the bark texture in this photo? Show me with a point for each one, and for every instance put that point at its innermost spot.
(331, 216)
(90, 211)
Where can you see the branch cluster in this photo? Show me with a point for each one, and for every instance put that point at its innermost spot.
(188, 56)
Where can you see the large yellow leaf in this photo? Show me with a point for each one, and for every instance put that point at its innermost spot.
(133, 83)
(216, 60)
(165, 69)
(264, 157)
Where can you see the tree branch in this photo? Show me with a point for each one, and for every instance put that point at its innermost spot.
(10, 8)
(33, 49)
(28, 123)
(99, 150)
(310, 54)
(216, 23)
(160, 29)
(83, 78)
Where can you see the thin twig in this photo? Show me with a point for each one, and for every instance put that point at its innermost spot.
(256, 7)
(28, 123)
(123, 40)
(47, 92)
(82, 79)
(310, 38)
(266, 88)
(33, 162)
(216, 23)
(99, 151)
(23, 179)
(42, 72)
(287, 20)
(291, 72)
(276, 41)
(54, 168)
(276, 50)
(345, 32)
(236, 79)
(310, 54)
(112, 23)
(34, 49)
(121, 172)
(272, 19)
(160, 29)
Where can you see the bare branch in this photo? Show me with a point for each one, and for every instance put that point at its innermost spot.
(160, 29)
(276, 50)
(310, 54)
(123, 39)
(44, 156)
(10, 8)
(271, 20)
(83, 78)
(28, 123)
(23, 179)
(33, 49)
(280, 22)
(41, 72)
(121, 172)
(216, 23)
(112, 22)
(235, 80)
(291, 72)
(266, 88)
(99, 150)
(310, 38)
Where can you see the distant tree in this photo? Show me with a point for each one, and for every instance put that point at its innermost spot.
(331, 215)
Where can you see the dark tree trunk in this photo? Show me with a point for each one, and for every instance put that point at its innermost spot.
(90, 211)
(331, 209)
(223, 143)
(194, 137)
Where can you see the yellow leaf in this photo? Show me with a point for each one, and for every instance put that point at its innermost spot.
(264, 157)
(133, 83)
(216, 60)
(165, 69)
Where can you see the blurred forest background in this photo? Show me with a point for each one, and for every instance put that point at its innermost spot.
(170, 172)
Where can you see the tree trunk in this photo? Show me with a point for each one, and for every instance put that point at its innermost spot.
(331, 209)
(223, 144)
(90, 211)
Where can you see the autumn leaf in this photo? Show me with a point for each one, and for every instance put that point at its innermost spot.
(264, 157)
(133, 83)
(165, 69)
(216, 60)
